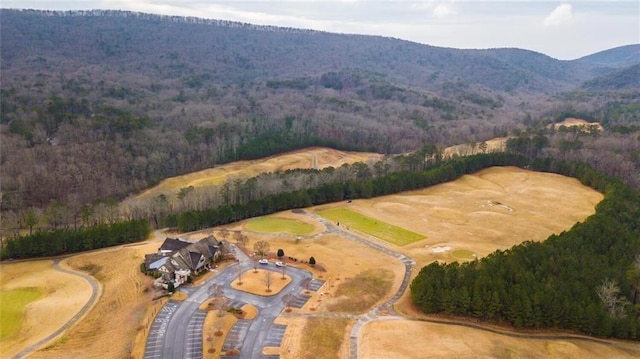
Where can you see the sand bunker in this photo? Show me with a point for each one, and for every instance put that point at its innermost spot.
(440, 249)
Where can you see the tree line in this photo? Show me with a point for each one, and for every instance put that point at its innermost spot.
(63, 241)
(586, 279)
(334, 192)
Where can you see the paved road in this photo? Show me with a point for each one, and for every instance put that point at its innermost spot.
(257, 334)
(387, 306)
(178, 332)
(95, 293)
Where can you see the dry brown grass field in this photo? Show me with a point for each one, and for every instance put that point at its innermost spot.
(65, 295)
(307, 158)
(493, 145)
(111, 328)
(580, 123)
(476, 214)
(255, 282)
(380, 339)
(495, 208)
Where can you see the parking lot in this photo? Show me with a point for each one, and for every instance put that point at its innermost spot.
(236, 335)
(193, 341)
(155, 340)
(275, 335)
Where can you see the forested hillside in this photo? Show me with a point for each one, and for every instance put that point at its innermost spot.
(97, 105)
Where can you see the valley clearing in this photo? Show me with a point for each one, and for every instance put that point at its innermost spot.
(468, 218)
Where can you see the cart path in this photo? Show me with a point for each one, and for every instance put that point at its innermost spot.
(96, 291)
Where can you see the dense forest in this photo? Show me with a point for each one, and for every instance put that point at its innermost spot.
(97, 105)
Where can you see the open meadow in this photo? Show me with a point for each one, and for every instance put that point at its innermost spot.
(388, 339)
(495, 208)
(316, 157)
(468, 218)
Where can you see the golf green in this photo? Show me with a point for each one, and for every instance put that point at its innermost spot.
(12, 309)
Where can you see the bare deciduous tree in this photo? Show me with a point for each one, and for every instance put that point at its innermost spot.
(216, 291)
(241, 238)
(609, 294)
(240, 271)
(268, 279)
(261, 247)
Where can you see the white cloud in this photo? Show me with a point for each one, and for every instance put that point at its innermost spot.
(442, 10)
(559, 16)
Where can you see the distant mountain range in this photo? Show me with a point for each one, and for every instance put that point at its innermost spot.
(96, 104)
(228, 52)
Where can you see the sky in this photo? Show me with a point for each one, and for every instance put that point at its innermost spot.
(561, 29)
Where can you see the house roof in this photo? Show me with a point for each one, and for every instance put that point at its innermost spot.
(150, 258)
(173, 244)
(188, 255)
(159, 263)
(195, 259)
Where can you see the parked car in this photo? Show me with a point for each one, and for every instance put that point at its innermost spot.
(263, 261)
(280, 264)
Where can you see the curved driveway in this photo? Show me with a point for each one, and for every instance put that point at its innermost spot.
(174, 338)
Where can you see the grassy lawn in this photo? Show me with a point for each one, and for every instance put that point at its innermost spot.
(279, 225)
(374, 227)
(12, 308)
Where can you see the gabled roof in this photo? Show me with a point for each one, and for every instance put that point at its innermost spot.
(173, 245)
(195, 259)
(187, 256)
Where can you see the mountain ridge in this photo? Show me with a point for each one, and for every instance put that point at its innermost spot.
(410, 62)
(95, 107)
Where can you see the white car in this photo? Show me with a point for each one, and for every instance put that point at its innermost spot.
(263, 261)
(280, 264)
